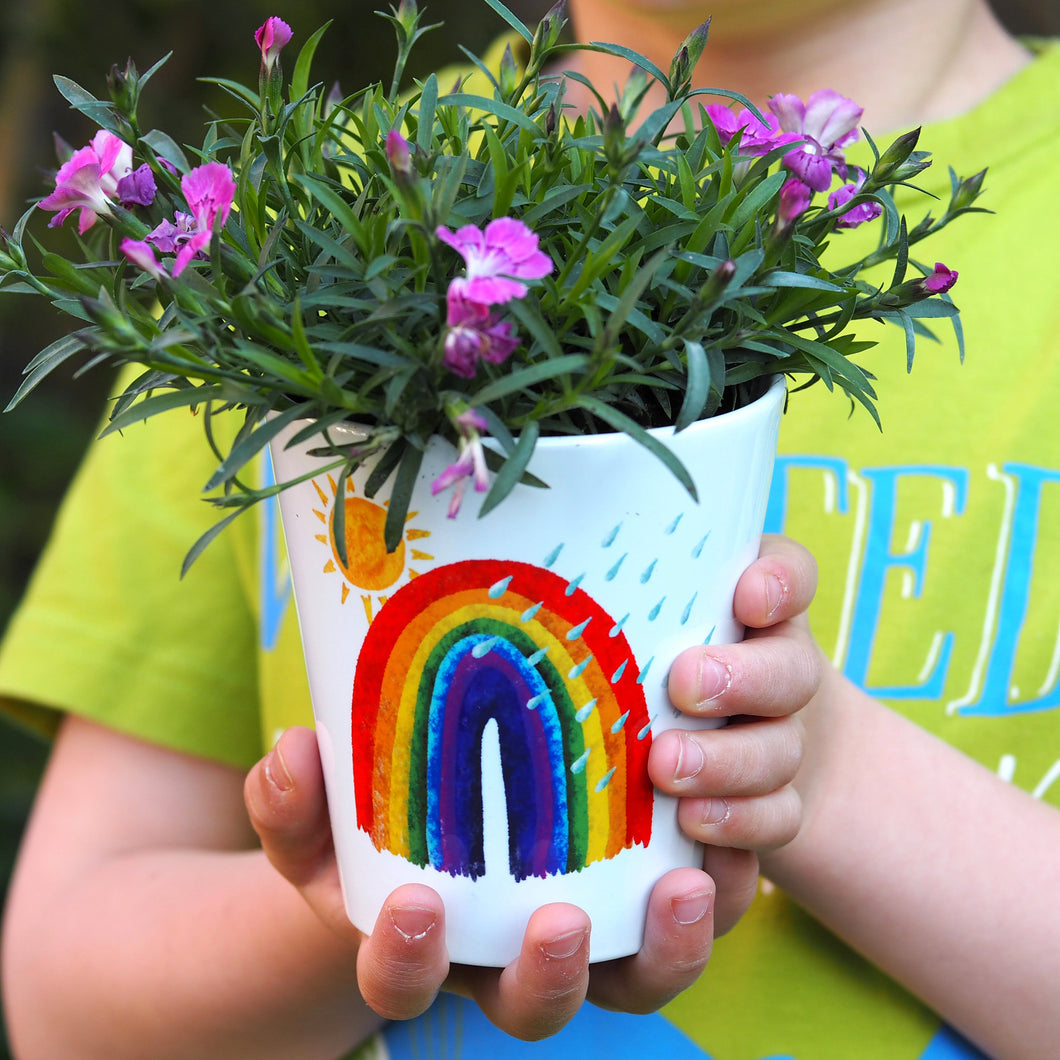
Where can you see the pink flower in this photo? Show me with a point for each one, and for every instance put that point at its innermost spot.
(209, 190)
(825, 123)
(856, 215)
(470, 462)
(270, 37)
(142, 254)
(496, 259)
(755, 137)
(794, 199)
(940, 280)
(473, 334)
(89, 181)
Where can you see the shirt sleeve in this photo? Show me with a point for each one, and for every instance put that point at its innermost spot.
(109, 630)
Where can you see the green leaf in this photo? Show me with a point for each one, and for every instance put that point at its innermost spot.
(512, 21)
(86, 103)
(400, 496)
(628, 53)
(782, 278)
(523, 378)
(304, 62)
(199, 547)
(247, 447)
(697, 388)
(338, 520)
(182, 397)
(492, 106)
(512, 471)
(428, 104)
(166, 147)
(45, 362)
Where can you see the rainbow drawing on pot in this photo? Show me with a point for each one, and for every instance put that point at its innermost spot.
(496, 642)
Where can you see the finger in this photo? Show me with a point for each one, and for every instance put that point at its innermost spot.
(735, 874)
(287, 805)
(402, 965)
(542, 990)
(768, 675)
(778, 586)
(678, 936)
(763, 823)
(284, 795)
(743, 759)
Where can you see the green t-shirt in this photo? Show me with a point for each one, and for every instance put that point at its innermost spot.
(939, 547)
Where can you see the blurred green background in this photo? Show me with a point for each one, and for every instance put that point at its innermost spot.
(41, 442)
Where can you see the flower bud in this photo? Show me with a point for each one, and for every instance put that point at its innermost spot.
(124, 86)
(967, 191)
(399, 155)
(508, 74)
(687, 57)
(614, 132)
(794, 199)
(271, 37)
(720, 278)
(11, 256)
(898, 157)
(940, 280)
(407, 17)
(550, 27)
(551, 120)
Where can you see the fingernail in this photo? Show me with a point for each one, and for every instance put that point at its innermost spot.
(277, 772)
(691, 908)
(562, 947)
(413, 922)
(714, 678)
(690, 759)
(775, 592)
(715, 811)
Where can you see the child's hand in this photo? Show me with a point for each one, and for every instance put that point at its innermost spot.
(403, 964)
(735, 782)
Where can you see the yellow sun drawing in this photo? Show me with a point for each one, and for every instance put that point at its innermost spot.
(368, 567)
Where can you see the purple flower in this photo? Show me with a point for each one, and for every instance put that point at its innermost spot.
(137, 188)
(474, 334)
(88, 181)
(496, 259)
(825, 123)
(470, 462)
(940, 280)
(270, 37)
(856, 215)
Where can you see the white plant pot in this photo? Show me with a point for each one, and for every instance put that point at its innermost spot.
(486, 696)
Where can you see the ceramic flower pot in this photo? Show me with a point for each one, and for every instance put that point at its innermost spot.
(486, 695)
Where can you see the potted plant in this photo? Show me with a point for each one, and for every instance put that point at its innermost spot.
(588, 317)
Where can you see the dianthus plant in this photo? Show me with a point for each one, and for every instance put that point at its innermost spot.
(496, 264)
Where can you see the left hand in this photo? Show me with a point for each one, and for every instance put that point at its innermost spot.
(735, 782)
